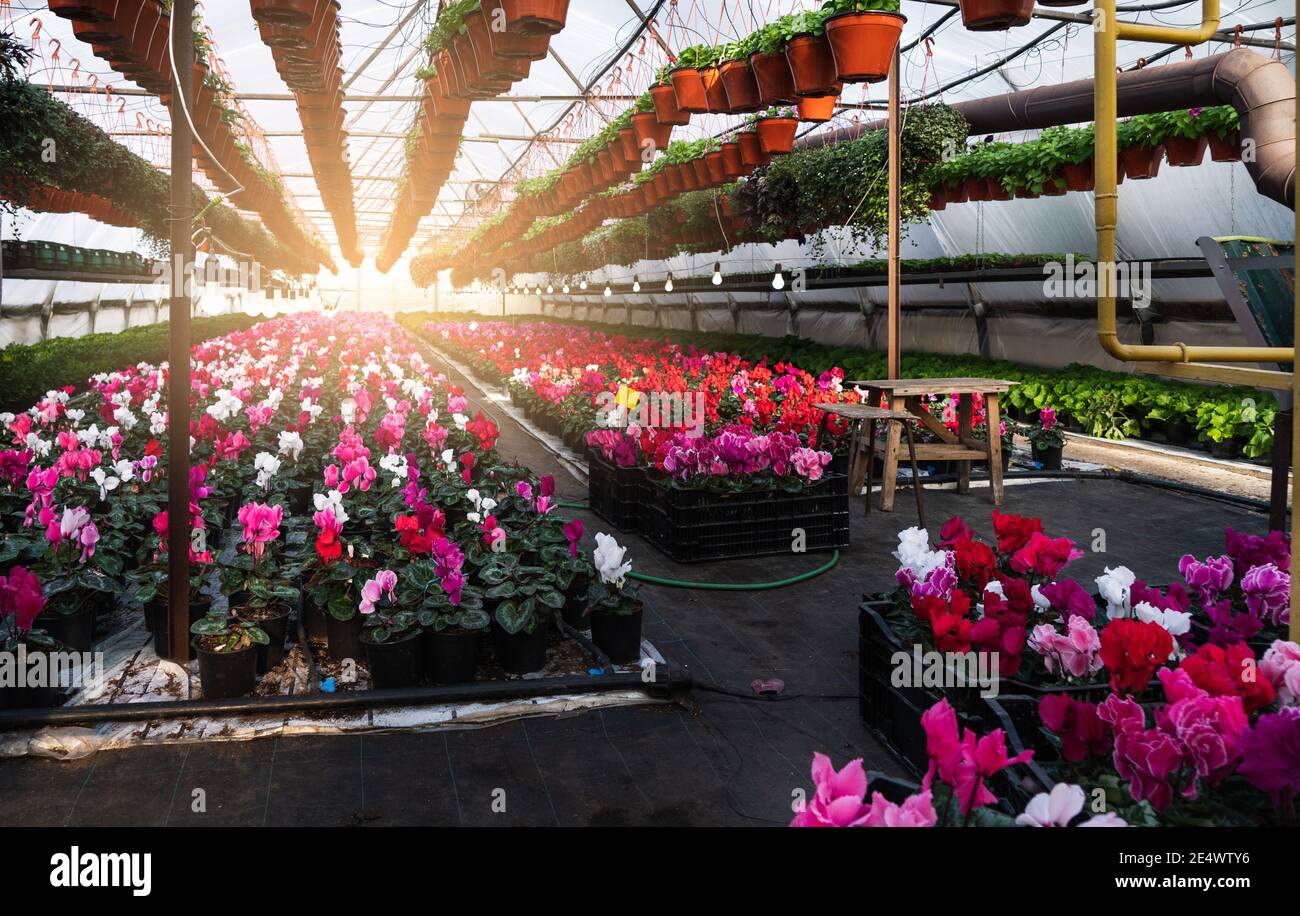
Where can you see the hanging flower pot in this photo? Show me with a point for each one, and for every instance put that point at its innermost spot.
(1226, 148)
(733, 161)
(676, 180)
(772, 73)
(996, 190)
(955, 193)
(535, 17)
(689, 89)
(817, 109)
(84, 10)
(1078, 175)
(863, 44)
(751, 150)
(716, 167)
(293, 13)
(509, 43)
(714, 90)
(1185, 151)
(1054, 187)
(812, 66)
(631, 146)
(741, 88)
(1141, 162)
(666, 109)
(700, 167)
(995, 15)
(776, 135)
(977, 188)
(937, 199)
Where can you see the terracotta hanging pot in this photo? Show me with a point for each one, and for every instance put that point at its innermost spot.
(84, 10)
(977, 189)
(956, 193)
(490, 67)
(772, 73)
(507, 43)
(741, 88)
(717, 169)
(646, 126)
(689, 89)
(631, 150)
(535, 17)
(776, 135)
(714, 91)
(1054, 187)
(294, 13)
(702, 177)
(1225, 149)
(751, 150)
(1078, 175)
(666, 109)
(995, 15)
(996, 190)
(676, 180)
(733, 161)
(937, 199)
(1141, 162)
(863, 44)
(1185, 151)
(817, 109)
(812, 66)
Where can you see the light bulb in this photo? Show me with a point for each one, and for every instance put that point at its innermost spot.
(550, 288)
(608, 291)
(778, 281)
(565, 289)
(668, 283)
(717, 273)
(636, 284)
(582, 285)
(538, 291)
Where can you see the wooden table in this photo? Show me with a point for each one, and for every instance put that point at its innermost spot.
(860, 460)
(963, 448)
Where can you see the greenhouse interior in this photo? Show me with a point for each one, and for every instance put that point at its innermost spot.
(651, 413)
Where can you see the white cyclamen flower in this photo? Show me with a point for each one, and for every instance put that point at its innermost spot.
(290, 443)
(914, 552)
(331, 503)
(608, 558)
(105, 481)
(1176, 622)
(1113, 586)
(267, 466)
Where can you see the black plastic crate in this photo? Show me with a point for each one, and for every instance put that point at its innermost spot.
(615, 494)
(694, 526)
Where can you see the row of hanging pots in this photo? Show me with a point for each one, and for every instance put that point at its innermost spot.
(303, 36)
(1136, 162)
(131, 36)
(51, 200)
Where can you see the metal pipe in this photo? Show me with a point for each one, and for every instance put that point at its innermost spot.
(1107, 30)
(178, 316)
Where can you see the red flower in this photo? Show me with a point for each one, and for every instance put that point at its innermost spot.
(1014, 531)
(484, 430)
(1044, 556)
(1133, 650)
(975, 561)
(954, 530)
(1230, 672)
(1083, 733)
(328, 546)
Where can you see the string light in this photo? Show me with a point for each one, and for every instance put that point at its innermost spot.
(565, 289)
(668, 283)
(583, 284)
(717, 273)
(636, 283)
(778, 281)
(608, 291)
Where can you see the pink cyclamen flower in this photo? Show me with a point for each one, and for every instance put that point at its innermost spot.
(22, 597)
(573, 531)
(261, 525)
(384, 583)
(1268, 593)
(915, 811)
(1056, 809)
(1047, 417)
(1209, 579)
(838, 796)
(1281, 666)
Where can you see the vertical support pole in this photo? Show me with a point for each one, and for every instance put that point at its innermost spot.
(1295, 450)
(894, 346)
(178, 385)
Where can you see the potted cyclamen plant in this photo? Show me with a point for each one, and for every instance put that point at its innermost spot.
(74, 577)
(614, 605)
(390, 634)
(259, 593)
(1047, 439)
(451, 618)
(151, 580)
(227, 651)
(21, 601)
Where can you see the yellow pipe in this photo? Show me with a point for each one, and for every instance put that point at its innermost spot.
(1107, 30)
(1295, 447)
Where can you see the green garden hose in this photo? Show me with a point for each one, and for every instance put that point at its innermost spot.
(725, 586)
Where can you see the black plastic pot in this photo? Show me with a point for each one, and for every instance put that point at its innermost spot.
(1050, 458)
(313, 619)
(1178, 433)
(276, 628)
(226, 674)
(574, 612)
(520, 653)
(394, 663)
(300, 501)
(162, 623)
(29, 697)
(75, 631)
(450, 656)
(344, 637)
(618, 636)
(1227, 449)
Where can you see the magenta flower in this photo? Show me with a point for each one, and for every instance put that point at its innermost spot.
(1249, 550)
(261, 525)
(915, 811)
(964, 760)
(1207, 727)
(1209, 579)
(1268, 593)
(838, 796)
(1070, 599)
(1047, 417)
(22, 597)
(1271, 754)
(573, 531)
